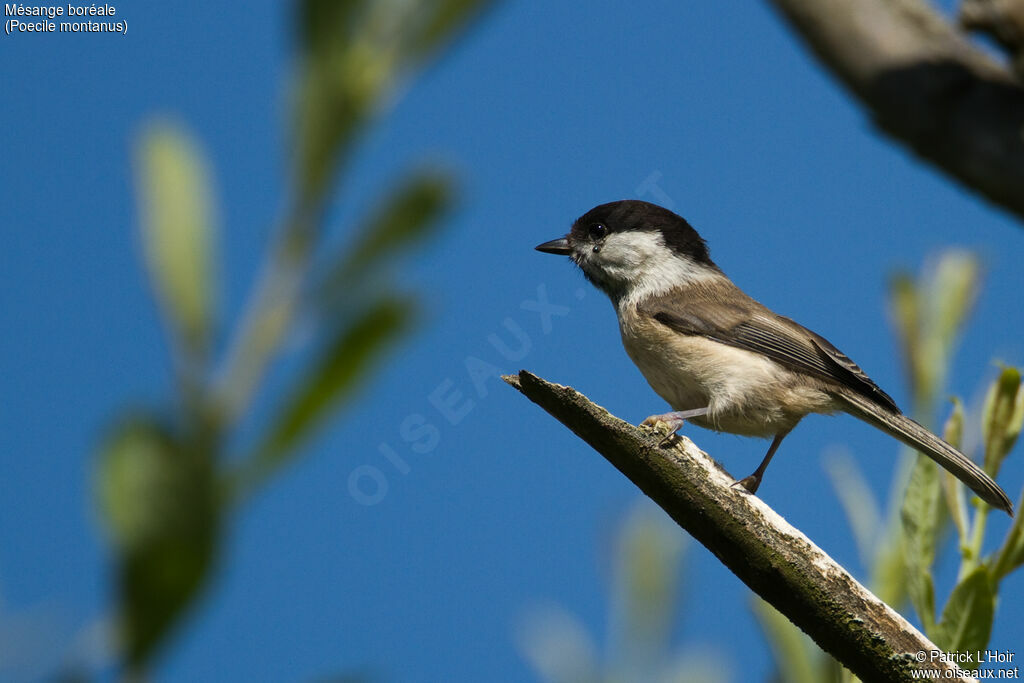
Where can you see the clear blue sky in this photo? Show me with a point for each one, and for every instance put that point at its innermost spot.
(544, 110)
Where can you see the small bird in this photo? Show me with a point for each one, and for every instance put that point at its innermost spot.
(720, 358)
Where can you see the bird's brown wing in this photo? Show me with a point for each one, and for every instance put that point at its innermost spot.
(758, 329)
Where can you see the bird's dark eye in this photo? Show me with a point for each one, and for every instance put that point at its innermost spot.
(597, 231)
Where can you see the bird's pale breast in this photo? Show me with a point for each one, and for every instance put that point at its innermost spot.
(747, 393)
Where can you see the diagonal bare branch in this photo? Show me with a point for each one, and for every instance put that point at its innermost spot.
(774, 559)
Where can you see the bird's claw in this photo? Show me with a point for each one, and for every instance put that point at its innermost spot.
(750, 484)
(667, 425)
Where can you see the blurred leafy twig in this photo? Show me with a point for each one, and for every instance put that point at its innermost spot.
(165, 479)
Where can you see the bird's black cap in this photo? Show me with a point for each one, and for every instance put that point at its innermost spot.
(633, 214)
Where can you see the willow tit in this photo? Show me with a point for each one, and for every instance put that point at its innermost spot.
(721, 359)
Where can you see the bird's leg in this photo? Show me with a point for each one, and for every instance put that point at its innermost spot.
(754, 480)
(674, 420)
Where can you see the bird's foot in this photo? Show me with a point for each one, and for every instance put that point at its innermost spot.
(750, 483)
(670, 423)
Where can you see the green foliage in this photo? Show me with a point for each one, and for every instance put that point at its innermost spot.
(796, 659)
(920, 517)
(646, 590)
(954, 494)
(165, 481)
(158, 496)
(967, 618)
(333, 377)
(1001, 419)
(928, 315)
(1011, 555)
(857, 499)
(344, 362)
(353, 52)
(178, 231)
(1004, 413)
(408, 215)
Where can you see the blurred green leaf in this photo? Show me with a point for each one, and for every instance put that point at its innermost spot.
(158, 501)
(648, 561)
(344, 363)
(327, 118)
(952, 433)
(920, 518)
(556, 644)
(705, 665)
(354, 54)
(1002, 421)
(888, 573)
(133, 470)
(341, 74)
(953, 430)
(794, 652)
(442, 19)
(955, 289)
(966, 622)
(906, 317)
(888, 579)
(1011, 554)
(178, 230)
(323, 22)
(1001, 418)
(409, 214)
(929, 313)
(858, 501)
(156, 583)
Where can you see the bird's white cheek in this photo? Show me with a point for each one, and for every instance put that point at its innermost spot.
(624, 252)
(621, 258)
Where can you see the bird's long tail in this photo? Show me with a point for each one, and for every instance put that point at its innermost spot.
(917, 437)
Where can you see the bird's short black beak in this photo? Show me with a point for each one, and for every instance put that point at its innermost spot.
(559, 246)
